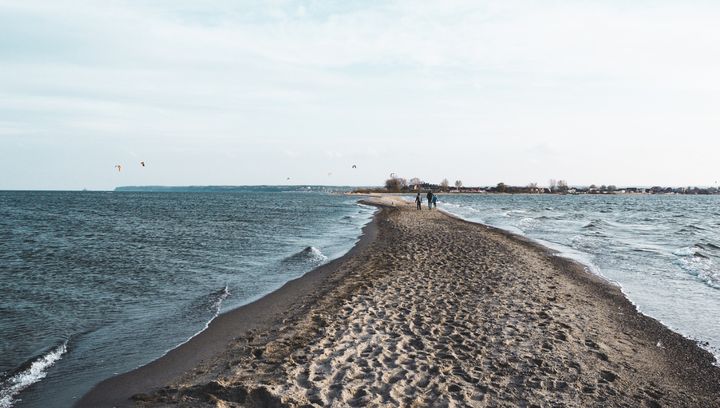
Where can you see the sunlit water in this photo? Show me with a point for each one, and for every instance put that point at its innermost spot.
(95, 284)
(664, 251)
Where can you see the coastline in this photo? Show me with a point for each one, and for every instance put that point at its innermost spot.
(704, 340)
(261, 314)
(610, 353)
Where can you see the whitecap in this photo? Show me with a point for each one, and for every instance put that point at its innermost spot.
(527, 223)
(309, 254)
(702, 268)
(25, 377)
(685, 251)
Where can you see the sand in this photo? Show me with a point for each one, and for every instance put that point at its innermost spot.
(436, 311)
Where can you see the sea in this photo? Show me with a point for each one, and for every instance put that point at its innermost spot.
(94, 284)
(662, 250)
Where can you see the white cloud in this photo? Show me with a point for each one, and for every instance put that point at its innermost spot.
(392, 82)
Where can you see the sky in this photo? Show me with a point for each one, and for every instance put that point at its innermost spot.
(226, 92)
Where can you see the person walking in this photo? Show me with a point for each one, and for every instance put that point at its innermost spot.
(434, 201)
(429, 198)
(418, 201)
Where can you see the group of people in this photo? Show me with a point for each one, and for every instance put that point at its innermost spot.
(431, 201)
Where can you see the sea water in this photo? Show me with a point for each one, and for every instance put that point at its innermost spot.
(94, 284)
(662, 250)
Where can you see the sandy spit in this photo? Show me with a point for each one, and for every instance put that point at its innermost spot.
(440, 312)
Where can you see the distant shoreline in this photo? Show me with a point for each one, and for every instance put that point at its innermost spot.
(487, 193)
(231, 189)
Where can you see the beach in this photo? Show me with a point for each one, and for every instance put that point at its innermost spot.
(430, 310)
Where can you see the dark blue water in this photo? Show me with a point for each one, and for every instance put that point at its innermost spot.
(95, 284)
(663, 250)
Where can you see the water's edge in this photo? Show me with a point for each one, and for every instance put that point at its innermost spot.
(259, 312)
(590, 269)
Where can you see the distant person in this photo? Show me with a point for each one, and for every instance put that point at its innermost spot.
(418, 201)
(434, 201)
(429, 198)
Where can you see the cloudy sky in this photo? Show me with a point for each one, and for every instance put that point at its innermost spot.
(252, 92)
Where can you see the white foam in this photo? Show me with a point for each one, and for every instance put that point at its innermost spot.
(685, 251)
(317, 254)
(218, 302)
(703, 269)
(11, 387)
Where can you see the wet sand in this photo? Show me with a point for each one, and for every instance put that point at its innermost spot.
(430, 310)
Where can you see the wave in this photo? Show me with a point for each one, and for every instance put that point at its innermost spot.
(308, 255)
(703, 269)
(599, 224)
(595, 225)
(528, 223)
(353, 218)
(28, 374)
(647, 250)
(691, 229)
(366, 207)
(216, 298)
(707, 245)
(688, 250)
(212, 302)
(698, 265)
(198, 309)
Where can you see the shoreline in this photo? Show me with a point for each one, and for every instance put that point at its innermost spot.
(592, 270)
(585, 269)
(261, 324)
(538, 245)
(260, 314)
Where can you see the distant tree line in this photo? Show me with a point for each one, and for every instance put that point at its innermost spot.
(396, 184)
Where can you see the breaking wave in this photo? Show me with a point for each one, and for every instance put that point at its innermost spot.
(28, 374)
(693, 261)
(308, 255)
